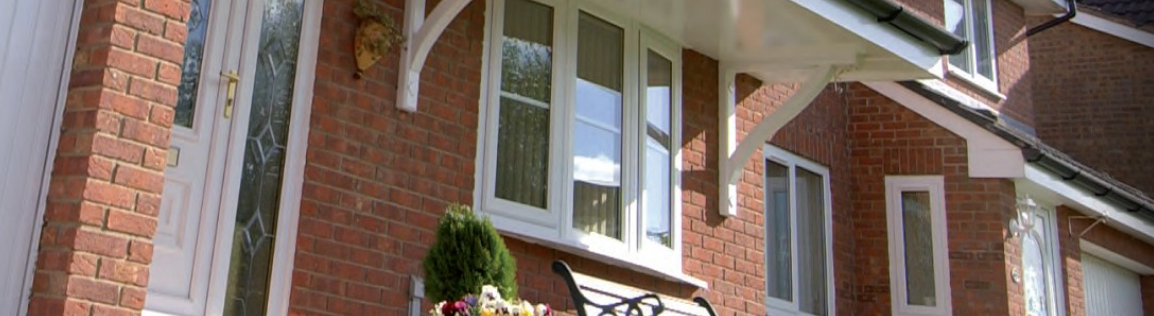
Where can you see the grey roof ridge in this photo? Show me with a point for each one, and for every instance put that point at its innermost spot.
(1048, 158)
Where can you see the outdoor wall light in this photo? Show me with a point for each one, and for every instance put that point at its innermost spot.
(1027, 217)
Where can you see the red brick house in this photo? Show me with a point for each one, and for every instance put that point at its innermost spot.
(220, 157)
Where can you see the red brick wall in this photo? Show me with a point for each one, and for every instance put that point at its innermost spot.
(377, 179)
(1013, 58)
(1095, 101)
(819, 133)
(107, 177)
(888, 139)
(1107, 237)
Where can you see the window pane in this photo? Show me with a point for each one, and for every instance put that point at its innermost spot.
(597, 129)
(983, 44)
(811, 262)
(193, 55)
(256, 213)
(919, 251)
(658, 186)
(778, 252)
(526, 90)
(1036, 284)
(956, 23)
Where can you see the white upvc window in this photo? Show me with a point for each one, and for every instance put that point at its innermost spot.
(581, 135)
(973, 21)
(798, 236)
(919, 266)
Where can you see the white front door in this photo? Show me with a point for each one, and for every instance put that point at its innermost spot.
(34, 52)
(218, 248)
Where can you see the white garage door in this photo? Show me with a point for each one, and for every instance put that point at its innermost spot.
(34, 49)
(1110, 290)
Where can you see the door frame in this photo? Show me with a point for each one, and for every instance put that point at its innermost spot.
(284, 251)
(50, 157)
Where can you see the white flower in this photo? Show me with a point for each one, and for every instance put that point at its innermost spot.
(437, 309)
(490, 292)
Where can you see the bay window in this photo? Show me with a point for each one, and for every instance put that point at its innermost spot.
(798, 249)
(581, 131)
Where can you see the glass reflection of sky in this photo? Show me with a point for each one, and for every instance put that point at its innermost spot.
(597, 135)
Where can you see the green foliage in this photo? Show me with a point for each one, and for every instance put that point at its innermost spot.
(466, 254)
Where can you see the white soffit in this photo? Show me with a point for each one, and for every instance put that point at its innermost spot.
(1042, 7)
(1120, 30)
(785, 40)
(989, 155)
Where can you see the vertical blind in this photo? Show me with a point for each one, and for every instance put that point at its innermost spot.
(526, 91)
(1110, 290)
(811, 261)
(778, 240)
(597, 127)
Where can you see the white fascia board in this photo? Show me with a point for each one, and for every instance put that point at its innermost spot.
(1120, 30)
(989, 156)
(867, 27)
(1052, 188)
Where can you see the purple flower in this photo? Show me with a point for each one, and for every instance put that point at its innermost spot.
(471, 300)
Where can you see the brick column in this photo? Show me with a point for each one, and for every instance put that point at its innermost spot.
(105, 190)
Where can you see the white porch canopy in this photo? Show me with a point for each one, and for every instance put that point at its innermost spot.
(813, 42)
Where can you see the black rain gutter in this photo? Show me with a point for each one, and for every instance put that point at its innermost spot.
(896, 15)
(1046, 157)
(1087, 179)
(1071, 11)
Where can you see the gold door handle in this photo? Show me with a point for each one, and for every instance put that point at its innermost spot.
(233, 79)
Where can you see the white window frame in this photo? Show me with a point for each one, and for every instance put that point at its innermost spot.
(1046, 219)
(776, 306)
(971, 75)
(935, 185)
(553, 225)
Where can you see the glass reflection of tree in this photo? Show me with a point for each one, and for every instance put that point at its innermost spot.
(523, 146)
(193, 54)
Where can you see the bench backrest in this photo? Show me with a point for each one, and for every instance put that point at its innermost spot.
(597, 297)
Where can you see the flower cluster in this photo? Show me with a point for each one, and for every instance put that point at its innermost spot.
(489, 303)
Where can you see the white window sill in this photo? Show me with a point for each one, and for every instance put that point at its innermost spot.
(547, 236)
(990, 88)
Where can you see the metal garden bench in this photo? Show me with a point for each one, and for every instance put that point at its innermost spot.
(592, 298)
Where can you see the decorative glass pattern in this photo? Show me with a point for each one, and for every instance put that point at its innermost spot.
(919, 246)
(1036, 284)
(256, 214)
(193, 55)
(526, 90)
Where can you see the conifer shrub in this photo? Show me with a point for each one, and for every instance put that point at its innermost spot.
(467, 253)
